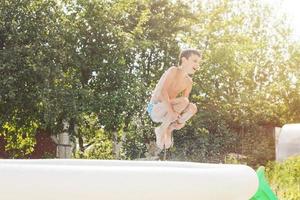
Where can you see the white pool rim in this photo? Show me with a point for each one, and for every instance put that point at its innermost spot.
(71, 179)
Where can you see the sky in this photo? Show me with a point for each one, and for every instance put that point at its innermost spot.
(292, 9)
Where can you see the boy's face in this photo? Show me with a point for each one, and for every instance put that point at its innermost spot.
(191, 63)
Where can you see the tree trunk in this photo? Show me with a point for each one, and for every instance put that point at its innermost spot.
(64, 146)
(117, 145)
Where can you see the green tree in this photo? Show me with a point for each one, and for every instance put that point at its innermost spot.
(30, 48)
(239, 86)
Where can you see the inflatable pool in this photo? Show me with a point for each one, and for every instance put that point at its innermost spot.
(59, 179)
(288, 142)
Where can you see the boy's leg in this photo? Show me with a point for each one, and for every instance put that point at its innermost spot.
(180, 104)
(165, 130)
(160, 111)
(186, 114)
(190, 110)
(161, 132)
(160, 114)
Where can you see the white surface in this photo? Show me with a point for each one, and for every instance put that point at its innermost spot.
(290, 8)
(124, 180)
(288, 142)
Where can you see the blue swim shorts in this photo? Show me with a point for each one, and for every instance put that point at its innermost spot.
(150, 108)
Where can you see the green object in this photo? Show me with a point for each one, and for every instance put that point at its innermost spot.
(264, 191)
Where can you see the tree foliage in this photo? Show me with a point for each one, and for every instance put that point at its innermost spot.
(94, 63)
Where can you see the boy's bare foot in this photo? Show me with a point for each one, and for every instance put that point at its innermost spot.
(159, 137)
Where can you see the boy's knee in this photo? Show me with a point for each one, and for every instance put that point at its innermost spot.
(193, 108)
(185, 100)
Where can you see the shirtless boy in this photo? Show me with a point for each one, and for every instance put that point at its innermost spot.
(169, 103)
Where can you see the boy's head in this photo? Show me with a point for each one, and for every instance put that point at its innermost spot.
(189, 59)
(188, 53)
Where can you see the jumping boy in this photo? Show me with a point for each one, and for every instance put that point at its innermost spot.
(169, 103)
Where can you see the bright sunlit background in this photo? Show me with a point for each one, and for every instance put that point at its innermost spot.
(291, 9)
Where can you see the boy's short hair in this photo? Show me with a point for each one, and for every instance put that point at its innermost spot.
(187, 53)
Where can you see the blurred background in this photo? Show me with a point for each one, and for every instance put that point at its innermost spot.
(76, 77)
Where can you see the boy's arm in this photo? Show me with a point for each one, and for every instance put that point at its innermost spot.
(170, 76)
(187, 91)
